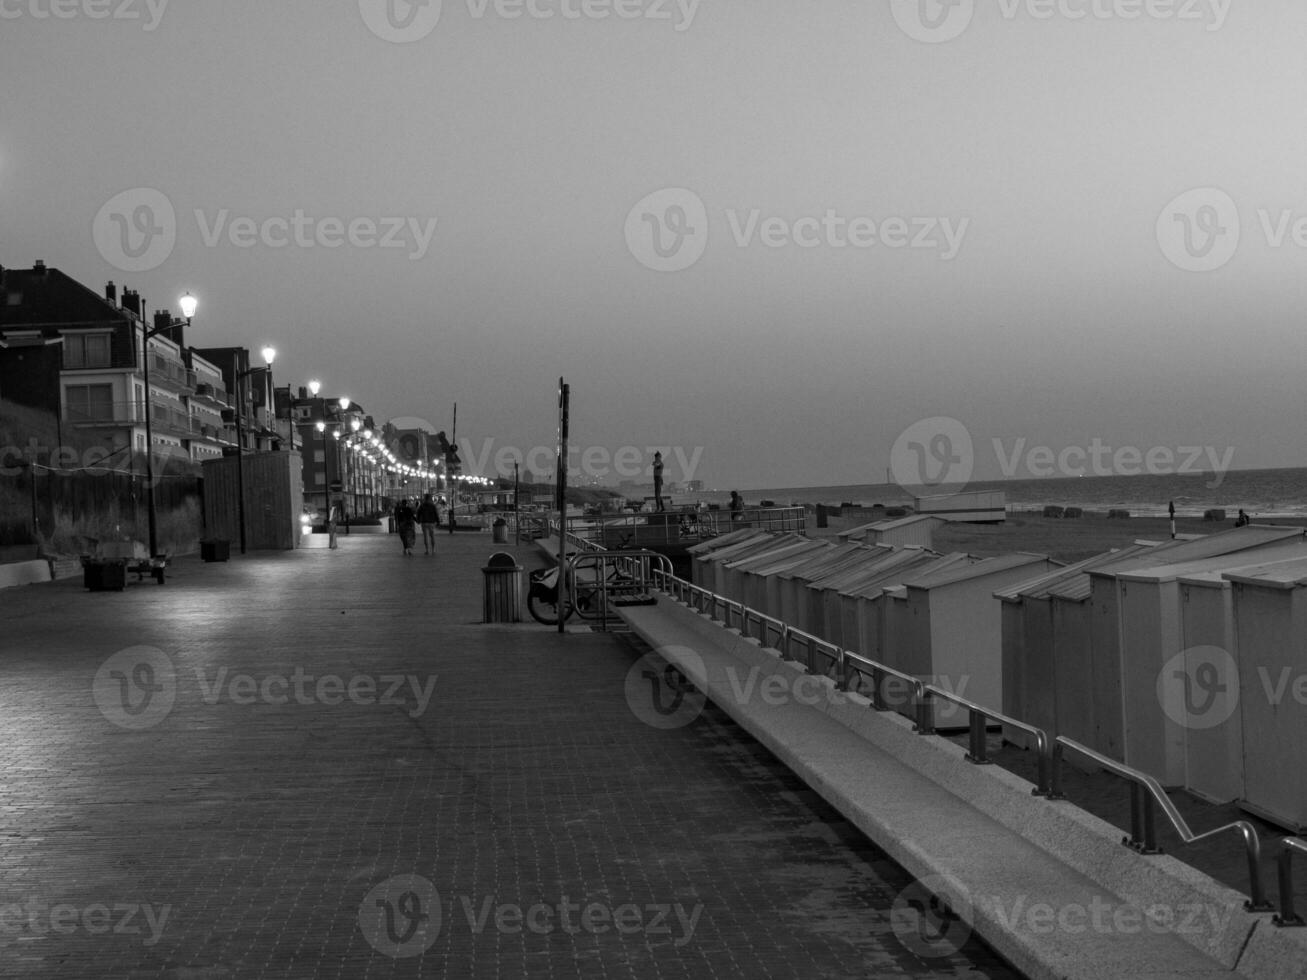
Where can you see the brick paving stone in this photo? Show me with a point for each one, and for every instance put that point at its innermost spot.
(260, 824)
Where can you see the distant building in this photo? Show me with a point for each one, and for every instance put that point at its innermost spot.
(99, 396)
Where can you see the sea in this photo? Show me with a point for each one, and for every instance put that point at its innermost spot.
(1261, 493)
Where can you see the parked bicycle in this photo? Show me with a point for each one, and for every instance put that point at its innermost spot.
(589, 592)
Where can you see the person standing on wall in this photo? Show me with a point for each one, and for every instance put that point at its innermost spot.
(659, 506)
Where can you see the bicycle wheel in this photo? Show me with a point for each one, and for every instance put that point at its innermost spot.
(542, 609)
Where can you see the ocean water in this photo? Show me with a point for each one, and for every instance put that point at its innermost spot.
(1262, 493)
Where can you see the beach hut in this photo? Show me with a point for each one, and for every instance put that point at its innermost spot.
(864, 602)
(1106, 624)
(1270, 634)
(705, 555)
(1148, 600)
(1032, 691)
(730, 573)
(824, 615)
(970, 507)
(786, 589)
(709, 570)
(916, 530)
(749, 578)
(948, 629)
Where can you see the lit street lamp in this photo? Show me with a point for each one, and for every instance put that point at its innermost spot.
(188, 305)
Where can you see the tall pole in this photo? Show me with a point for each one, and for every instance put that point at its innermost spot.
(564, 408)
(149, 442)
(240, 456)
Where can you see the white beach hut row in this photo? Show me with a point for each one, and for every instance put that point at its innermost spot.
(1139, 655)
(926, 614)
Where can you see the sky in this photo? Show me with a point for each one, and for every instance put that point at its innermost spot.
(790, 244)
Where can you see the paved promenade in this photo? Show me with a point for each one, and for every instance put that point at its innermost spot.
(321, 764)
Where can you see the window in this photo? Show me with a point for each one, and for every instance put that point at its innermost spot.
(86, 350)
(90, 403)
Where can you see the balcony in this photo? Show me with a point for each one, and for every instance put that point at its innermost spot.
(168, 373)
(106, 415)
(213, 395)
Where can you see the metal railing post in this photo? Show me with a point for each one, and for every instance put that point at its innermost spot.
(1287, 917)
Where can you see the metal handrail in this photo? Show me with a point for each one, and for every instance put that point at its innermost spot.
(1144, 788)
(635, 562)
(1144, 792)
(1287, 917)
(978, 718)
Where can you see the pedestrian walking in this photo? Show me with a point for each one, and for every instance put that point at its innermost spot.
(406, 524)
(428, 515)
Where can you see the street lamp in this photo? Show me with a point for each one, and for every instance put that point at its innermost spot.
(269, 354)
(188, 305)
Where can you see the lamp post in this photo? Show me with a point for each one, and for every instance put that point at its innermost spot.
(269, 354)
(188, 305)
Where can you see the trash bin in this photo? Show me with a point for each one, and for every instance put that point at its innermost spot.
(502, 601)
(822, 519)
(500, 528)
(215, 549)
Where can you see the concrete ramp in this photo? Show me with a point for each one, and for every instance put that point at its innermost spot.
(1048, 886)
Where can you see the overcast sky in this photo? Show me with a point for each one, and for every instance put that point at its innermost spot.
(986, 227)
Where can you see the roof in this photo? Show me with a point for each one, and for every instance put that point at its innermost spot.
(1277, 575)
(1273, 553)
(769, 564)
(895, 579)
(1079, 587)
(789, 544)
(736, 548)
(722, 540)
(49, 298)
(1038, 587)
(966, 573)
(838, 558)
(899, 522)
(906, 564)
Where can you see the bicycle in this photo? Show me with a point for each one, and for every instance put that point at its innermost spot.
(588, 595)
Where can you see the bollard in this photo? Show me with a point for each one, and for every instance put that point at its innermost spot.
(502, 598)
